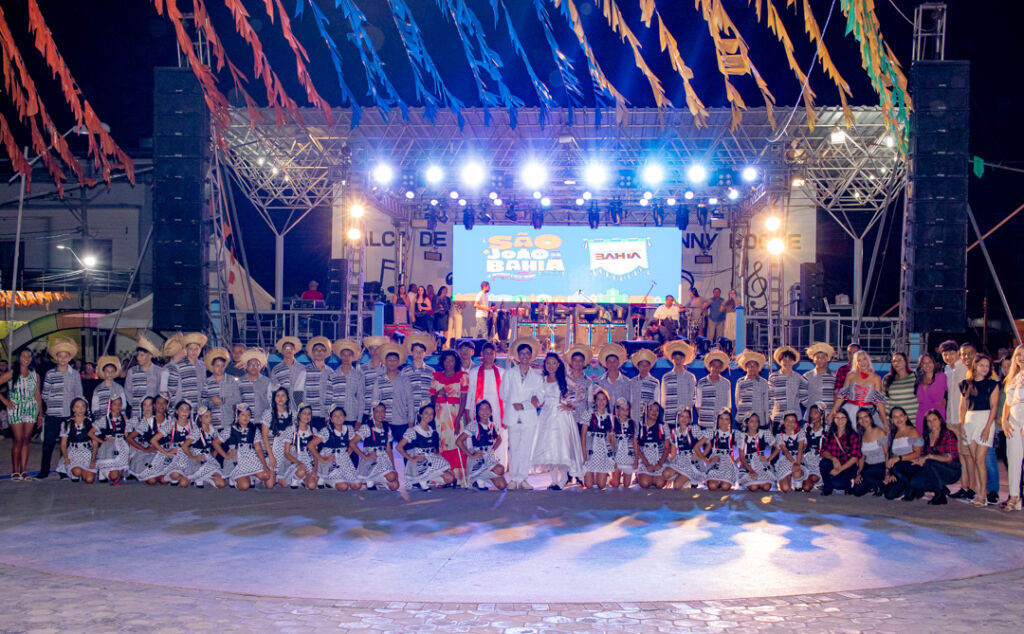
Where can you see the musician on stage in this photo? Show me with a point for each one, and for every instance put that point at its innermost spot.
(666, 319)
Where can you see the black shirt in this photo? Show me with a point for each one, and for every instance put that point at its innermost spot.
(981, 401)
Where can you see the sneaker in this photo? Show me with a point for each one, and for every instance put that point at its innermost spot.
(938, 500)
(993, 498)
(554, 487)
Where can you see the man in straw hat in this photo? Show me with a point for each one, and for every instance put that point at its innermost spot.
(318, 380)
(418, 373)
(391, 388)
(714, 391)
(173, 351)
(785, 387)
(752, 389)
(107, 367)
(521, 392)
(348, 385)
(255, 388)
(581, 386)
(143, 378)
(611, 356)
(61, 385)
(678, 385)
(485, 385)
(188, 374)
(290, 374)
(220, 390)
(644, 388)
(819, 385)
(371, 369)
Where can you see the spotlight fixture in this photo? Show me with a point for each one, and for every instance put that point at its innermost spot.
(453, 194)
(733, 193)
(776, 246)
(537, 218)
(484, 216)
(648, 195)
(511, 214)
(625, 179)
(431, 218)
(658, 214)
(579, 202)
(688, 195)
(534, 175)
(442, 215)
(749, 174)
(798, 181)
(537, 195)
(653, 174)
(357, 211)
(587, 195)
(772, 223)
(713, 200)
(545, 202)
(837, 136)
(498, 202)
(473, 174)
(682, 217)
(697, 173)
(383, 173)
(594, 216)
(644, 202)
(595, 174)
(671, 202)
(433, 202)
(434, 174)
(410, 194)
(354, 234)
(492, 195)
(468, 218)
(462, 202)
(615, 214)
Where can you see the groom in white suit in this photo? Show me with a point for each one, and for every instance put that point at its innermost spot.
(521, 391)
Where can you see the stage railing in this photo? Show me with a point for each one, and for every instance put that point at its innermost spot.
(246, 327)
(876, 335)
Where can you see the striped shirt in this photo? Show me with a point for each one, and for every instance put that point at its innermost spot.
(643, 390)
(188, 377)
(902, 394)
(348, 391)
(255, 394)
(394, 394)
(785, 394)
(582, 390)
(317, 385)
(370, 375)
(101, 397)
(819, 387)
(419, 384)
(619, 389)
(678, 392)
(139, 383)
(752, 398)
(711, 399)
(290, 377)
(59, 389)
(227, 390)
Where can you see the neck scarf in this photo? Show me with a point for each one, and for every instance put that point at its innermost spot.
(479, 395)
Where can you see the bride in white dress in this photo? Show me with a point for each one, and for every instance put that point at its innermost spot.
(557, 448)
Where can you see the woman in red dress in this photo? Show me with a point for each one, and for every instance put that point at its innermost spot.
(448, 390)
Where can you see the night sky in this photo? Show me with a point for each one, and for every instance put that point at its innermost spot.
(112, 47)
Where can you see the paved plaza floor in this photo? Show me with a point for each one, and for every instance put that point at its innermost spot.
(136, 558)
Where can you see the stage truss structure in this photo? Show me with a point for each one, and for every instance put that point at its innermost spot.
(854, 172)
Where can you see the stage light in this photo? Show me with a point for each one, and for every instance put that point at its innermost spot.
(776, 246)
(579, 202)
(357, 211)
(653, 174)
(671, 202)
(537, 195)
(273, 171)
(648, 195)
(713, 200)
(587, 195)
(537, 218)
(468, 219)
(473, 174)
(749, 174)
(615, 214)
(510, 213)
(594, 216)
(533, 175)
(688, 195)
(733, 193)
(434, 174)
(658, 214)
(462, 202)
(545, 202)
(644, 202)
(492, 195)
(484, 215)
(442, 215)
(595, 174)
(798, 181)
(260, 161)
(354, 234)
(682, 218)
(431, 218)
(837, 136)
(697, 173)
(773, 223)
(89, 261)
(453, 194)
(433, 202)
(383, 173)
(287, 178)
(889, 141)
(497, 202)
(410, 194)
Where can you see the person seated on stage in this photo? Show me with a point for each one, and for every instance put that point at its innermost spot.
(420, 446)
(598, 440)
(791, 445)
(478, 441)
(715, 451)
(626, 460)
(311, 293)
(756, 471)
(666, 320)
(376, 465)
(840, 453)
(937, 468)
(682, 468)
(652, 448)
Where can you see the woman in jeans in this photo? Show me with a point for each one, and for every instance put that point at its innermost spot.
(937, 468)
(840, 454)
(977, 415)
(874, 450)
(1013, 426)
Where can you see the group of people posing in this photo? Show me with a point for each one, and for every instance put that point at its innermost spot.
(395, 421)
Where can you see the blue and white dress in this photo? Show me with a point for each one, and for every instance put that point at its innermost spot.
(420, 442)
(244, 441)
(298, 441)
(812, 453)
(600, 458)
(753, 448)
(375, 440)
(161, 464)
(112, 456)
(277, 425)
(652, 443)
(624, 453)
(683, 462)
(139, 461)
(180, 465)
(791, 442)
(481, 438)
(722, 443)
(336, 444)
(202, 471)
(79, 446)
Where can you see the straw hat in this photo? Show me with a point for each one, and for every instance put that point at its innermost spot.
(672, 347)
(821, 346)
(777, 355)
(147, 345)
(108, 359)
(346, 344)
(254, 353)
(610, 349)
(172, 345)
(296, 344)
(428, 342)
(318, 341)
(716, 354)
(62, 344)
(194, 337)
(374, 341)
(528, 341)
(750, 355)
(390, 347)
(213, 355)
(581, 348)
(643, 354)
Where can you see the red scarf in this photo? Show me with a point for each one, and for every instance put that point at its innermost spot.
(479, 396)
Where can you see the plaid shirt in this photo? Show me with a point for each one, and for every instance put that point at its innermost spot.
(946, 444)
(842, 447)
(841, 376)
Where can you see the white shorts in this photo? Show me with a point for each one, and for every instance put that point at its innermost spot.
(974, 425)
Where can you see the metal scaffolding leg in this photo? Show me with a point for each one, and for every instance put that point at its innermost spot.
(995, 276)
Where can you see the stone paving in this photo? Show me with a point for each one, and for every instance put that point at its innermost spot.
(38, 602)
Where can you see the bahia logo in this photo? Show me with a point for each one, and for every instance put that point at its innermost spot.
(618, 257)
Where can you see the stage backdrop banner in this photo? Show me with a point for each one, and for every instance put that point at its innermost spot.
(567, 264)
